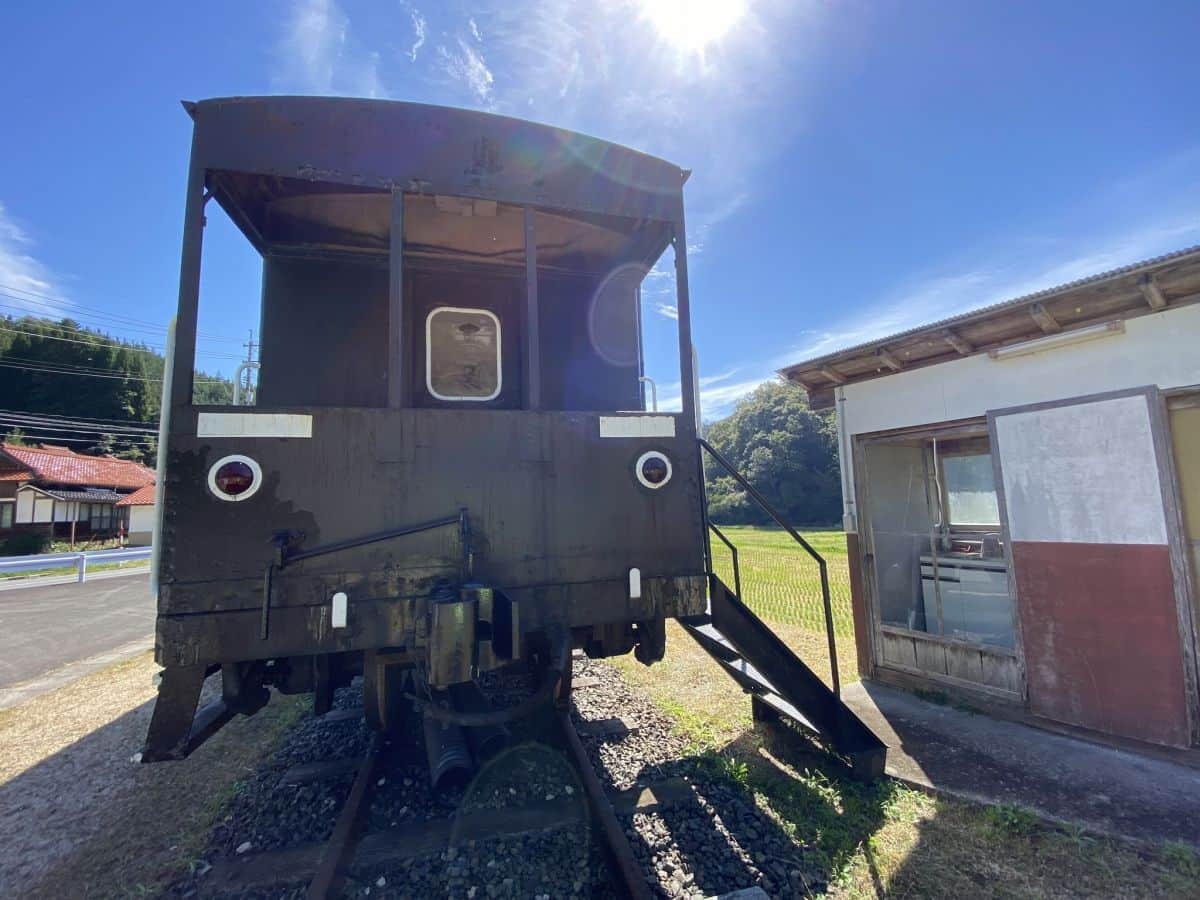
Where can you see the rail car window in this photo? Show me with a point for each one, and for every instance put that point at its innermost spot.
(463, 355)
(294, 294)
(593, 274)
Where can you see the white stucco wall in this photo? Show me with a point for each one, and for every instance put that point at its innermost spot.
(141, 524)
(25, 506)
(1162, 349)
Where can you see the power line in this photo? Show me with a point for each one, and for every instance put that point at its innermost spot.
(126, 345)
(43, 425)
(94, 420)
(96, 311)
(53, 439)
(83, 373)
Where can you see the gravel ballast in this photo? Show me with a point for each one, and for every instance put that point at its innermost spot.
(715, 840)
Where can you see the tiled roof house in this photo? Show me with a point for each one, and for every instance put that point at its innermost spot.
(67, 494)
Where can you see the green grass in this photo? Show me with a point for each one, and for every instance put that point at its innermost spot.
(884, 839)
(781, 582)
(133, 565)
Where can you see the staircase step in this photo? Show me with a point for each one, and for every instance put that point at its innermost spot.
(714, 642)
(781, 706)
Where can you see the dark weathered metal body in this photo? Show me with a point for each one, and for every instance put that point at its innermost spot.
(557, 519)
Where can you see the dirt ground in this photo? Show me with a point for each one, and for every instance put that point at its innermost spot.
(79, 818)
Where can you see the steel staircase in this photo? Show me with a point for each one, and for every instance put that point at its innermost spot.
(780, 684)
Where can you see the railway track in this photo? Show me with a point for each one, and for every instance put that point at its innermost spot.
(347, 812)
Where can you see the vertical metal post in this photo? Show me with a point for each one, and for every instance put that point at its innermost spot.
(531, 355)
(828, 604)
(398, 362)
(683, 306)
(81, 566)
(189, 287)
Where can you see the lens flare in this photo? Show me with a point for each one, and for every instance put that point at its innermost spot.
(690, 26)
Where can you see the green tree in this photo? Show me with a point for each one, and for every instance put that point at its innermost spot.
(786, 450)
(60, 368)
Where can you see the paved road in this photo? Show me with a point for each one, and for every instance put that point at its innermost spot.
(45, 627)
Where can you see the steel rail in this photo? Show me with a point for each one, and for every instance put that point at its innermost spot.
(338, 851)
(624, 864)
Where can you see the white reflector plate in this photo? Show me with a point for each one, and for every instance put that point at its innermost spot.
(637, 426)
(276, 425)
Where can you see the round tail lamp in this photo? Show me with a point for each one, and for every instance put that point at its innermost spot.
(234, 478)
(653, 469)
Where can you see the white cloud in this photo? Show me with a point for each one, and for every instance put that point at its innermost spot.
(25, 280)
(1009, 274)
(418, 23)
(468, 66)
(475, 29)
(667, 310)
(718, 394)
(317, 54)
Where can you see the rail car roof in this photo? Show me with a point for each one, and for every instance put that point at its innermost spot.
(317, 172)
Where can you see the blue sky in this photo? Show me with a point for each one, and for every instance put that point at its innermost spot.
(859, 167)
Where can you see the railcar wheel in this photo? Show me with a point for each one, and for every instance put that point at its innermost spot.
(385, 685)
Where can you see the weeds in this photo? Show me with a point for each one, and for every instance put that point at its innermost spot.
(1015, 821)
(1182, 859)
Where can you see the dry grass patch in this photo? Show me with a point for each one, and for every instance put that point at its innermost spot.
(78, 818)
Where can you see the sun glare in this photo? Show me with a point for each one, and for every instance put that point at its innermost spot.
(692, 25)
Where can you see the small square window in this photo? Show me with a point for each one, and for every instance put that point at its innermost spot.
(462, 360)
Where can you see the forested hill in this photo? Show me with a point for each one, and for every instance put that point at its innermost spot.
(63, 383)
(786, 450)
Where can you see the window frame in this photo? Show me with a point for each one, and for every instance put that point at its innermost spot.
(944, 483)
(429, 354)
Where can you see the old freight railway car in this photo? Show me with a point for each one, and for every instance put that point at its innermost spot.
(448, 463)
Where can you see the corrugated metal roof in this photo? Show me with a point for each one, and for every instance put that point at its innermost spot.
(1003, 305)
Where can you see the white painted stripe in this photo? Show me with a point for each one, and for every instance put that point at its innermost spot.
(277, 425)
(637, 426)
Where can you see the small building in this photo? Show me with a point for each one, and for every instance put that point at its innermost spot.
(65, 494)
(1022, 501)
(138, 510)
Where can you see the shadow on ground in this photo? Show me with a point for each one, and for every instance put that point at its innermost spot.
(88, 821)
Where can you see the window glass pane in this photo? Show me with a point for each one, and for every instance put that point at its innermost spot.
(971, 490)
(463, 361)
(6, 515)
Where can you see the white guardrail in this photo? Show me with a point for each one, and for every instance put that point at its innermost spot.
(78, 561)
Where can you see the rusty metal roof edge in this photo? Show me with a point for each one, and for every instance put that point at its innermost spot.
(1002, 306)
(194, 106)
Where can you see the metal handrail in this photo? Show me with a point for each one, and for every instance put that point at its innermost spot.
(820, 560)
(737, 571)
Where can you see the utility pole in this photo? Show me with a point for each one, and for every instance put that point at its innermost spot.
(246, 371)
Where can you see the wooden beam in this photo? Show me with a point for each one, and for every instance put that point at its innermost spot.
(886, 357)
(1152, 292)
(833, 375)
(958, 342)
(1045, 321)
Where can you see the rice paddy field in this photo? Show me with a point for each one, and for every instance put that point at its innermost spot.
(781, 582)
